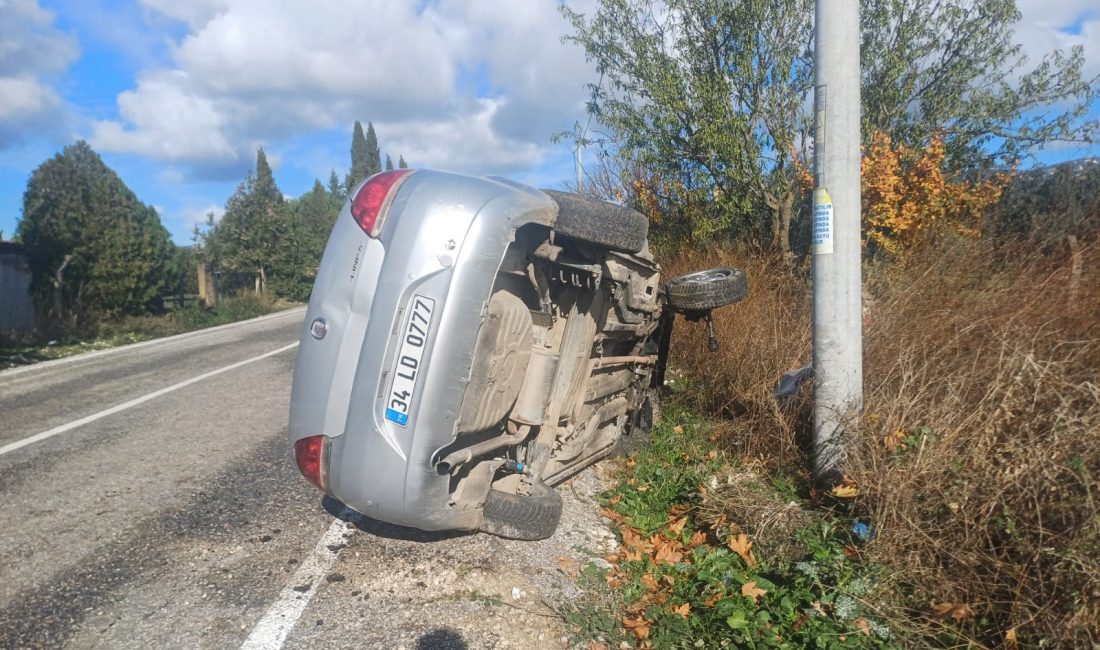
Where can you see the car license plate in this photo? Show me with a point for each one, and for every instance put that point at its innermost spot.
(406, 368)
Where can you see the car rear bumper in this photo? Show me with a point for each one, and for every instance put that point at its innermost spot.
(443, 239)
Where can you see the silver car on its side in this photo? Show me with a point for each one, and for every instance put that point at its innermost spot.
(470, 342)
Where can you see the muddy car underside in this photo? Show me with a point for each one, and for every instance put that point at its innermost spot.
(564, 360)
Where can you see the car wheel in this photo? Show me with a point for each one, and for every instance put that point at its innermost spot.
(599, 222)
(531, 517)
(707, 289)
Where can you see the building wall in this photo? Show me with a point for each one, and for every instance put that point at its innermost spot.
(16, 306)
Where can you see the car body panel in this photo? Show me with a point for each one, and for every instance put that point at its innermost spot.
(443, 237)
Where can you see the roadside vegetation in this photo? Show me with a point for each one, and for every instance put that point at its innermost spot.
(103, 269)
(18, 351)
(718, 553)
(968, 513)
(970, 517)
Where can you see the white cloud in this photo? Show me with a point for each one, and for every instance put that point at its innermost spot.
(169, 122)
(192, 217)
(467, 85)
(1045, 26)
(467, 142)
(32, 52)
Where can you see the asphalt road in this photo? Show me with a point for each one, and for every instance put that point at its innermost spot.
(148, 500)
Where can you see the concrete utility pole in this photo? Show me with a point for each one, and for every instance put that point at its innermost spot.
(838, 323)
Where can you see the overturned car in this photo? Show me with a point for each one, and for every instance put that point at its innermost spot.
(471, 342)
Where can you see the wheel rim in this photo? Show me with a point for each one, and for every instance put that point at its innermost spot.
(709, 275)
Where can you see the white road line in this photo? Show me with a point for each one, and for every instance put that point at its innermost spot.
(5, 373)
(271, 631)
(69, 426)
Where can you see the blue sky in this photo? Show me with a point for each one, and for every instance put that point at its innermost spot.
(176, 96)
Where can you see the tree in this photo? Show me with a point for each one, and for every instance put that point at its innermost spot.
(360, 159)
(950, 71)
(909, 201)
(335, 188)
(374, 155)
(389, 163)
(93, 246)
(255, 228)
(711, 96)
(317, 212)
(401, 164)
(366, 158)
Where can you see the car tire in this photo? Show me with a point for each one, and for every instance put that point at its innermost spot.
(599, 222)
(705, 290)
(531, 517)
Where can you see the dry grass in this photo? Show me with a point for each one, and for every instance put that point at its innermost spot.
(978, 457)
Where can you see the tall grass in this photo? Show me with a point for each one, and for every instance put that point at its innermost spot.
(978, 453)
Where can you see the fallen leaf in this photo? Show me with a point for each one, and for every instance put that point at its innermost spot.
(643, 488)
(957, 611)
(678, 510)
(846, 489)
(650, 582)
(712, 454)
(677, 429)
(752, 591)
(632, 539)
(742, 545)
(851, 552)
(615, 499)
(612, 515)
(714, 599)
(568, 565)
(863, 626)
(1011, 642)
(799, 622)
(683, 610)
(677, 526)
(596, 645)
(639, 626)
(633, 555)
(667, 554)
(630, 462)
(894, 440)
(698, 539)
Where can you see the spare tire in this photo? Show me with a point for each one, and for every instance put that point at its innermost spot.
(704, 290)
(530, 517)
(599, 222)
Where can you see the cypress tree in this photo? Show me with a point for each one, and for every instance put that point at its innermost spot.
(374, 156)
(401, 164)
(335, 188)
(389, 162)
(360, 158)
(257, 227)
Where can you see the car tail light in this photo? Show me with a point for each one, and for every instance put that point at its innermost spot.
(311, 454)
(367, 206)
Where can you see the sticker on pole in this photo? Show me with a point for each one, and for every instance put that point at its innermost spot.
(823, 222)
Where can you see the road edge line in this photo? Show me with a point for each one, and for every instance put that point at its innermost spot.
(280, 618)
(68, 426)
(92, 354)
